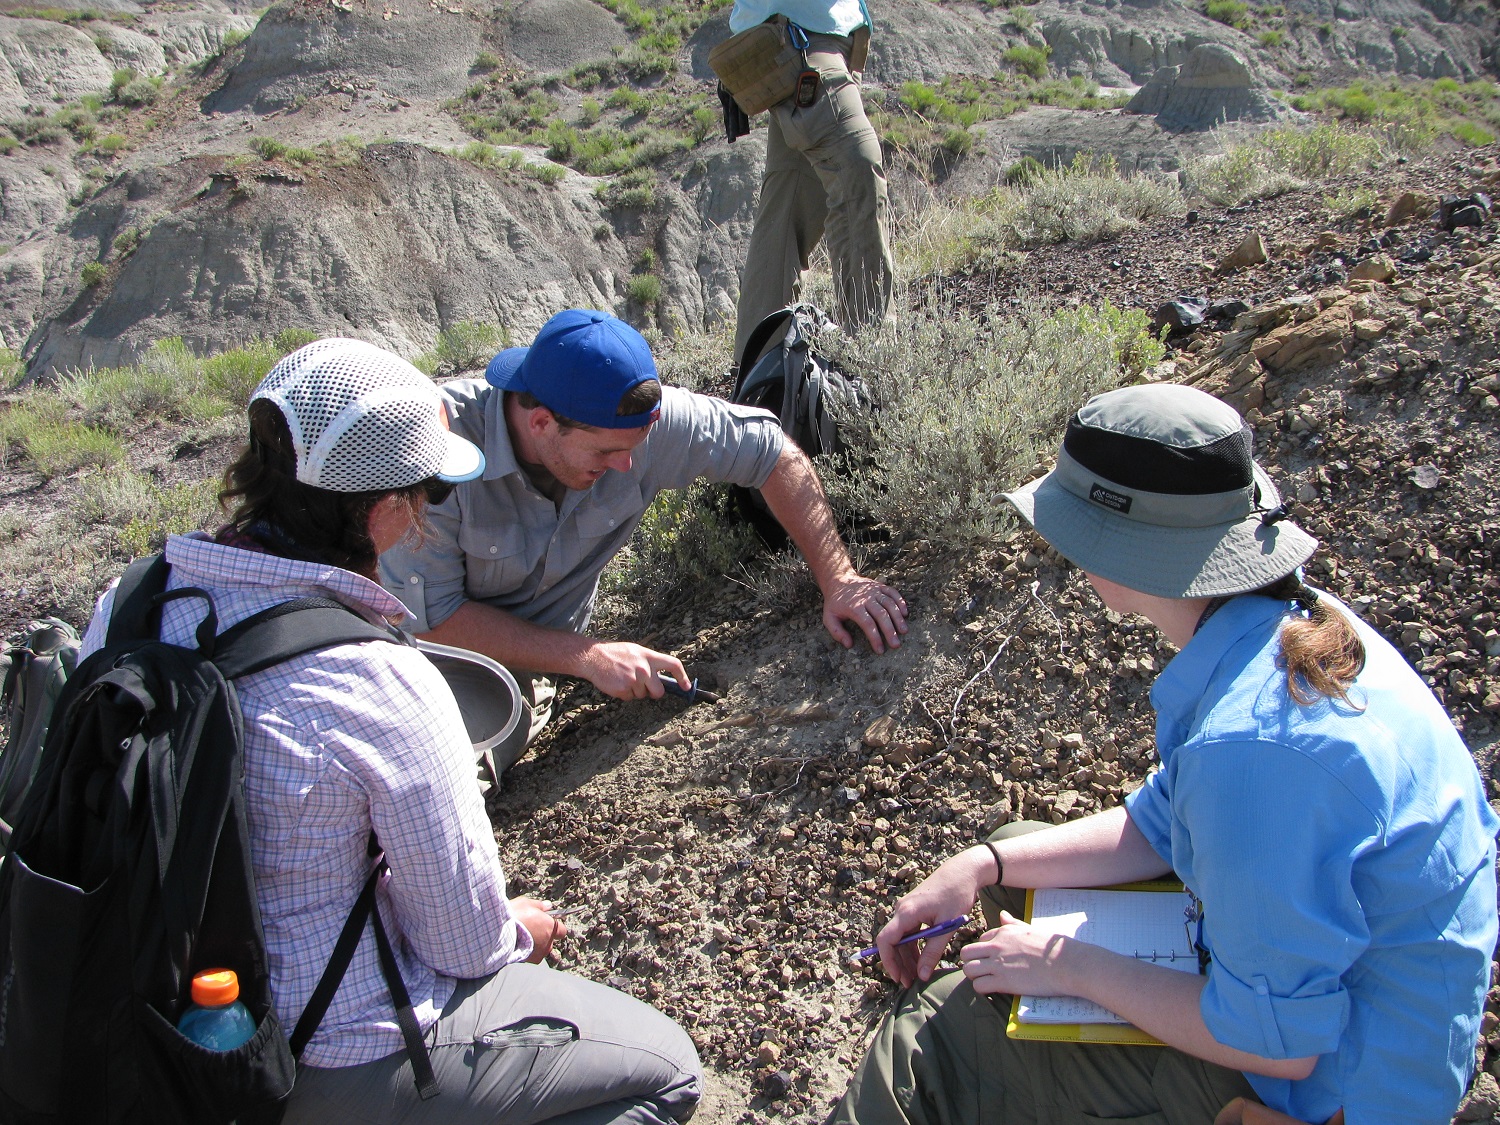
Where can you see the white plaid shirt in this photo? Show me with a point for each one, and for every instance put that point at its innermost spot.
(338, 742)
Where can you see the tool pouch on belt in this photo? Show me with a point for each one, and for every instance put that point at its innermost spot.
(759, 66)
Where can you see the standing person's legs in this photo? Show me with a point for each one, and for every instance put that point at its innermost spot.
(823, 167)
(942, 1058)
(789, 219)
(525, 1045)
(838, 140)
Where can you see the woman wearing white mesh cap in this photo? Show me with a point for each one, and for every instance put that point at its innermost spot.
(348, 443)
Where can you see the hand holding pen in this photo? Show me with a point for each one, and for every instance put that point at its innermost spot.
(939, 930)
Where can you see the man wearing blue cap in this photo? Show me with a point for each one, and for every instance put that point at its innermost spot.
(579, 436)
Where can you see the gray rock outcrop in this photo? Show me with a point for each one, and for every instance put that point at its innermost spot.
(298, 52)
(553, 36)
(408, 242)
(42, 63)
(1212, 87)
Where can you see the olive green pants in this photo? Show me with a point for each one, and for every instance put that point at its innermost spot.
(824, 177)
(941, 1057)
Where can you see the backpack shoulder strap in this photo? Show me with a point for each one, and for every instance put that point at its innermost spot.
(760, 336)
(135, 598)
(291, 629)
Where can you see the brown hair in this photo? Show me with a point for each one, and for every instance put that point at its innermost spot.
(1322, 654)
(296, 520)
(640, 399)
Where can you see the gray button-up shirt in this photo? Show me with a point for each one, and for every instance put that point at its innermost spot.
(499, 541)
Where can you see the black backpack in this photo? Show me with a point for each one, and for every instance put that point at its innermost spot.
(782, 370)
(129, 870)
(35, 671)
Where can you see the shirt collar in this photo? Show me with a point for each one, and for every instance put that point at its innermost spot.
(499, 457)
(196, 557)
(1181, 686)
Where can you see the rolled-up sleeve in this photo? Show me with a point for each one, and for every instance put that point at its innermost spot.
(1273, 838)
(702, 436)
(1150, 809)
(429, 575)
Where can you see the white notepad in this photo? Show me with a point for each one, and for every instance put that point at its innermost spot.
(1149, 925)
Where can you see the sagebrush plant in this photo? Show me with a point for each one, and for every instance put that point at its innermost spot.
(696, 361)
(966, 402)
(1084, 201)
(1413, 111)
(464, 346)
(52, 443)
(57, 564)
(142, 512)
(12, 368)
(1282, 160)
(1348, 204)
(686, 539)
(173, 383)
(167, 383)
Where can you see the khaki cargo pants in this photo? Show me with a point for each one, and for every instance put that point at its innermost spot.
(941, 1057)
(824, 177)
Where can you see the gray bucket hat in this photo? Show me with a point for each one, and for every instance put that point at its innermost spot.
(1156, 489)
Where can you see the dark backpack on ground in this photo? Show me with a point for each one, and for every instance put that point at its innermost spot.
(34, 673)
(129, 870)
(782, 370)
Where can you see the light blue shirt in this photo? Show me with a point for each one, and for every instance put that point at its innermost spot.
(831, 17)
(1345, 859)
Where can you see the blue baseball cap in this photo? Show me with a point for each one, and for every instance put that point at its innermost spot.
(580, 366)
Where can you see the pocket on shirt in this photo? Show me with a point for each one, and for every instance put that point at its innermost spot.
(601, 517)
(494, 560)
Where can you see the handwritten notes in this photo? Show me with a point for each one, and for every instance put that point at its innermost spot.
(1149, 925)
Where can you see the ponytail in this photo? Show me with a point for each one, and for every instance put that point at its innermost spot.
(1322, 654)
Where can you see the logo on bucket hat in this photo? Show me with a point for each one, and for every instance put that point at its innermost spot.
(1156, 488)
(581, 364)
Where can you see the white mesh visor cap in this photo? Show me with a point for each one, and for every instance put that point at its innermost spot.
(364, 420)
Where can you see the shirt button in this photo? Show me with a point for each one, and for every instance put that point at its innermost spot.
(1261, 989)
(611, 523)
(414, 579)
(494, 550)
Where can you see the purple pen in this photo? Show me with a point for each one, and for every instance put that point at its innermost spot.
(931, 931)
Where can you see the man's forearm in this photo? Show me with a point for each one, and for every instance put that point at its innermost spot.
(512, 641)
(795, 497)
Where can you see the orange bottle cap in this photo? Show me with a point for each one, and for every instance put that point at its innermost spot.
(213, 988)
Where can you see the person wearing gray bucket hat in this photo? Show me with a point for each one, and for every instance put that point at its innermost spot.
(1312, 794)
(1155, 488)
(362, 741)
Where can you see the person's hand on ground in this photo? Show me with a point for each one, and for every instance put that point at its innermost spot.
(630, 671)
(877, 609)
(543, 928)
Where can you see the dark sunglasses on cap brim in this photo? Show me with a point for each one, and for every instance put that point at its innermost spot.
(437, 490)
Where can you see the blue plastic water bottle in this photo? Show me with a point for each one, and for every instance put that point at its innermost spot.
(216, 1019)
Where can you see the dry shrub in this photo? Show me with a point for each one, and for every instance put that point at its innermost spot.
(1086, 201)
(966, 405)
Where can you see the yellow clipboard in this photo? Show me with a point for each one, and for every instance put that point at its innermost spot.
(1120, 1033)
